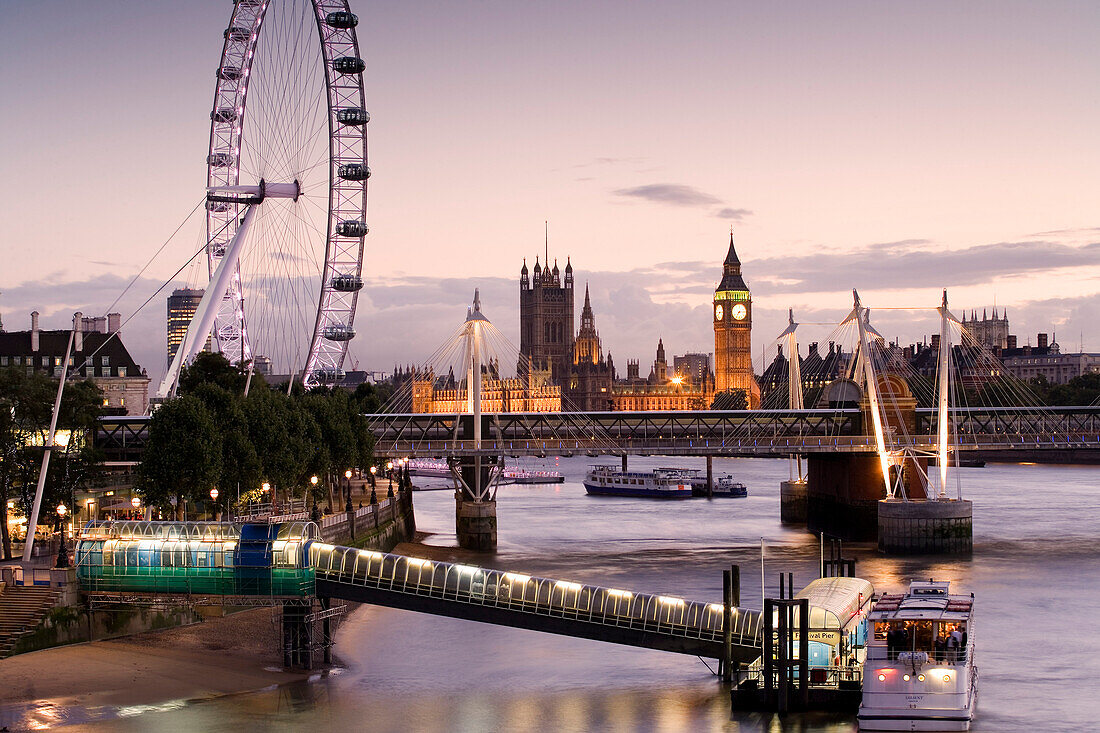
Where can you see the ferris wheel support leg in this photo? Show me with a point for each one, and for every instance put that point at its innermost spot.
(205, 313)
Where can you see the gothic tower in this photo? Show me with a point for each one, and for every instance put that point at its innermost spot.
(546, 320)
(732, 331)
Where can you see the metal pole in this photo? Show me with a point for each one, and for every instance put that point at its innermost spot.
(727, 625)
(32, 524)
(710, 477)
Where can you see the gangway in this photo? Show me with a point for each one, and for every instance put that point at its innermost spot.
(286, 564)
(542, 604)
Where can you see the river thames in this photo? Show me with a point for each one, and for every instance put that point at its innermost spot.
(1034, 572)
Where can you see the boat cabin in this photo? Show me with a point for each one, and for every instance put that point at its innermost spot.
(927, 624)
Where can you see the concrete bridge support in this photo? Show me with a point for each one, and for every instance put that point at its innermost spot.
(793, 497)
(925, 527)
(475, 520)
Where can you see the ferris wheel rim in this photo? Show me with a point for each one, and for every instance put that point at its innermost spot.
(346, 227)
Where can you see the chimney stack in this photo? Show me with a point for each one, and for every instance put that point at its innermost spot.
(1011, 342)
(114, 322)
(1042, 341)
(78, 329)
(34, 331)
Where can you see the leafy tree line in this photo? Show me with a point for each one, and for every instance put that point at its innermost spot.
(212, 436)
(26, 405)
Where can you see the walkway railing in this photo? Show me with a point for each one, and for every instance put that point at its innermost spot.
(516, 592)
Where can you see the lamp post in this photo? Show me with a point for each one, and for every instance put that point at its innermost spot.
(214, 498)
(62, 551)
(347, 475)
(373, 470)
(135, 502)
(315, 514)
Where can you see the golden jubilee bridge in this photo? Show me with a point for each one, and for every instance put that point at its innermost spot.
(1004, 430)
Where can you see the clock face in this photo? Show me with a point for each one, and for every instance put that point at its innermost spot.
(739, 312)
(718, 312)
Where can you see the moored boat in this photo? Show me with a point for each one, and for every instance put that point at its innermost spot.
(523, 476)
(723, 486)
(661, 483)
(919, 673)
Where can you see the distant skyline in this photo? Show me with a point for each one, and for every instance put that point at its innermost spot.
(895, 148)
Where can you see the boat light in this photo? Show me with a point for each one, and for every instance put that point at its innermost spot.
(671, 601)
(567, 585)
(517, 577)
(881, 678)
(920, 677)
(905, 677)
(947, 678)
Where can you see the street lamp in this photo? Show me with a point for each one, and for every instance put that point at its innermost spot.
(347, 475)
(62, 551)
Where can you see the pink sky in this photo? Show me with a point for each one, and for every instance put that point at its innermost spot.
(965, 131)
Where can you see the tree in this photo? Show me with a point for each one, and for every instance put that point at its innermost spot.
(212, 368)
(183, 455)
(241, 469)
(733, 399)
(26, 401)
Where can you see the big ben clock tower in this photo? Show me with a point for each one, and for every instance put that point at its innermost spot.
(732, 331)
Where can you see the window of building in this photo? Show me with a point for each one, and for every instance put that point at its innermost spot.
(122, 371)
(105, 360)
(17, 360)
(45, 361)
(57, 361)
(3, 361)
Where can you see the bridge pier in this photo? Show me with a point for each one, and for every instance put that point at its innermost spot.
(793, 496)
(475, 517)
(297, 636)
(925, 527)
(844, 490)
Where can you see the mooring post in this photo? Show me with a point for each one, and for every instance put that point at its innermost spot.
(769, 653)
(710, 477)
(804, 653)
(727, 626)
(624, 462)
(784, 661)
(735, 571)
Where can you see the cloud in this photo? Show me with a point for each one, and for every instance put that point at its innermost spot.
(732, 214)
(677, 194)
(915, 263)
(674, 194)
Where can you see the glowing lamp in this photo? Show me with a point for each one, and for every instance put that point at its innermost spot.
(135, 502)
(905, 677)
(347, 474)
(373, 470)
(214, 494)
(920, 677)
(266, 487)
(882, 678)
(62, 510)
(947, 678)
(313, 480)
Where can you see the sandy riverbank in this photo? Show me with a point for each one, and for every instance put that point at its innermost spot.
(235, 653)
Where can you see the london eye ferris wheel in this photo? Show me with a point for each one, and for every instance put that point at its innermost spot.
(286, 190)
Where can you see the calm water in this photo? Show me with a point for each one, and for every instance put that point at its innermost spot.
(1035, 572)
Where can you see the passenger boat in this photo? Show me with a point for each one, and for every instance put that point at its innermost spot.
(919, 673)
(723, 486)
(662, 483)
(429, 468)
(523, 476)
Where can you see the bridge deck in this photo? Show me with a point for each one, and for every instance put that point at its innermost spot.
(540, 604)
(700, 433)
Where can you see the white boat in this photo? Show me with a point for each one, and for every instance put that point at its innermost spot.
(524, 476)
(661, 483)
(429, 468)
(919, 673)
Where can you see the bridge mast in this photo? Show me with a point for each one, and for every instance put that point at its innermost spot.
(858, 313)
(944, 392)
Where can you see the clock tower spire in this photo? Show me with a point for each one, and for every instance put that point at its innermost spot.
(732, 331)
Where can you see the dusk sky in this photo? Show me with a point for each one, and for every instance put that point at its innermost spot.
(895, 148)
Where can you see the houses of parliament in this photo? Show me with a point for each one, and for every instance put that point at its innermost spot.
(560, 368)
